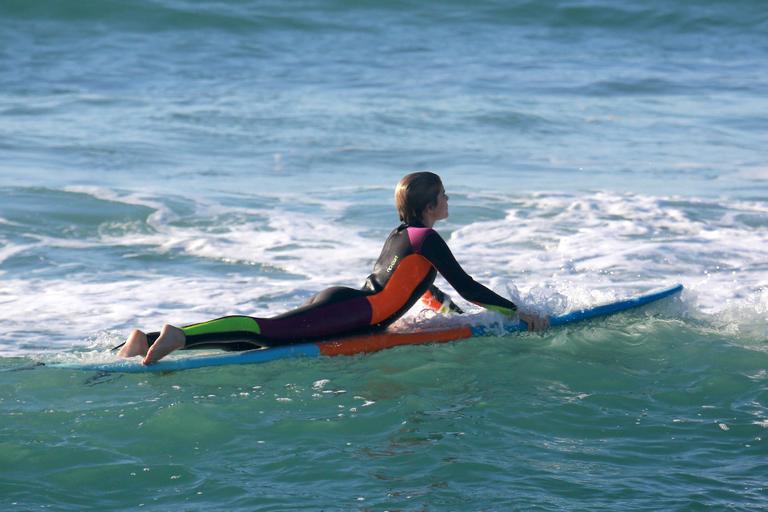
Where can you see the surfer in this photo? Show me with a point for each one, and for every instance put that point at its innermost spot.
(412, 256)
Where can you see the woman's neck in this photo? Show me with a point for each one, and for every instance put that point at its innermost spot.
(420, 224)
(428, 220)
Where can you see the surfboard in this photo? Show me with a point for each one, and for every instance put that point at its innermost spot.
(374, 342)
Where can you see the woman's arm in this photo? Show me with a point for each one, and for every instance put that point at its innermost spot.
(437, 252)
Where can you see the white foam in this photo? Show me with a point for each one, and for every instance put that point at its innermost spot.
(315, 248)
(107, 194)
(8, 250)
(604, 240)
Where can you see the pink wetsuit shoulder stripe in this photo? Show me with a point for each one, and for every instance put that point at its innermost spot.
(417, 236)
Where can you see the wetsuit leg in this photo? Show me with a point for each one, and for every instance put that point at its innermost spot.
(229, 332)
(334, 311)
(324, 298)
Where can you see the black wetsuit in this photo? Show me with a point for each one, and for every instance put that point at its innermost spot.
(405, 271)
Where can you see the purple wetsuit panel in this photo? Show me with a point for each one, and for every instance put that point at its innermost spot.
(326, 320)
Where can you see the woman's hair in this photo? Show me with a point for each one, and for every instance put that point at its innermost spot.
(414, 193)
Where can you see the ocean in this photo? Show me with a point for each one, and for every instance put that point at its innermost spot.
(177, 160)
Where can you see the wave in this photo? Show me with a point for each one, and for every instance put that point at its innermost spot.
(167, 15)
(688, 16)
(153, 15)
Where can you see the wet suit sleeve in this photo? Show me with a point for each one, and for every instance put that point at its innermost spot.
(434, 298)
(437, 252)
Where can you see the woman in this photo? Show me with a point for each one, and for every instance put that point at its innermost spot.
(404, 272)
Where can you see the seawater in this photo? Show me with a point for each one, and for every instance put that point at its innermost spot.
(175, 161)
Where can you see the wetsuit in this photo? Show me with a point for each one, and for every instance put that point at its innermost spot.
(404, 272)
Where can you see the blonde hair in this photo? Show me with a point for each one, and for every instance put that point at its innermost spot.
(414, 193)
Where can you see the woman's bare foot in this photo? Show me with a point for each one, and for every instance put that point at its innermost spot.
(135, 345)
(171, 338)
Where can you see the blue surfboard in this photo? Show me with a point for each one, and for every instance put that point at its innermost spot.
(367, 343)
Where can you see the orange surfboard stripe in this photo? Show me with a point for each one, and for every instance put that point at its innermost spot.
(408, 274)
(375, 342)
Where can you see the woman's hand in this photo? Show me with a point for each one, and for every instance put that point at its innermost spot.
(534, 322)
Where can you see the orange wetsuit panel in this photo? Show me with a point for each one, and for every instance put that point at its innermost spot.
(430, 301)
(405, 279)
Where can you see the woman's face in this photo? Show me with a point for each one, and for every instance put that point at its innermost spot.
(441, 209)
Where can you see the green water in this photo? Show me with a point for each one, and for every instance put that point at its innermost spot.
(628, 413)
